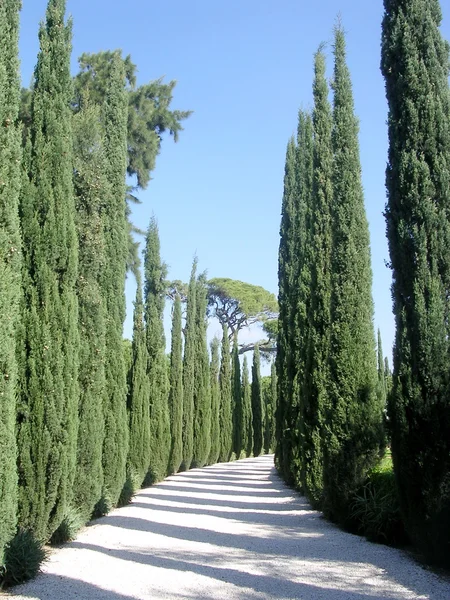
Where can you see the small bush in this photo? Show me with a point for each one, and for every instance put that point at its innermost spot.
(376, 508)
(67, 531)
(128, 491)
(23, 558)
(103, 506)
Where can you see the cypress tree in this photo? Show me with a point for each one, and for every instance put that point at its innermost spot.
(247, 409)
(189, 370)
(380, 370)
(155, 290)
(138, 397)
(115, 446)
(176, 389)
(415, 65)
(47, 417)
(10, 262)
(287, 261)
(202, 391)
(226, 415)
(317, 342)
(257, 407)
(354, 414)
(90, 186)
(215, 402)
(237, 406)
(270, 398)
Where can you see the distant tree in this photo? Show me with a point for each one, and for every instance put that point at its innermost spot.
(47, 411)
(154, 296)
(257, 406)
(380, 370)
(225, 414)
(415, 65)
(189, 370)
(10, 262)
(202, 390)
(270, 399)
(138, 398)
(247, 409)
(215, 402)
(353, 419)
(237, 407)
(90, 186)
(176, 390)
(115, 446)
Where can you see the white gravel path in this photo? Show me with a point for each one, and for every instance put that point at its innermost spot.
(230, 531)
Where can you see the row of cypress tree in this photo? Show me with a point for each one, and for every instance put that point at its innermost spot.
(83, 423)
(329, 419)
(330, 399)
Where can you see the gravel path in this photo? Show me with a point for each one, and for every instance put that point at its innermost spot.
(230, 531)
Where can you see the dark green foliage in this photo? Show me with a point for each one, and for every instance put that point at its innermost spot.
(72, 522)
(247, 409)
(202, 391)
(189, 370)
(23, 559)
(138, 397)
(10, 262)
(237, 406)
(129, 488)
(225, 413)
(90, 187)
(215, 402)
(270, 399)
(155, 289)
(47, 411)
(257, 405)
(354, 436)
(115, 446)
(287, 271)
(415, 65)
(176, 390)
(380, 370)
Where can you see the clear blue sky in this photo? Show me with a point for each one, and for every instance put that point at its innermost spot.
(245, 68)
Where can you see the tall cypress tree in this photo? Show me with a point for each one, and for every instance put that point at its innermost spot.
(90, 186)
(257, 406)
(380, 370)
(415, 65)
(236, 390)
(215, 402)
(270, 398)
(47, 431)
(9, 262)
(115, 446)
(189, 370)
(317, 342)
(226, 415)
(354, 414)
(287, 261)
(155, 290)
(247, 409)
(138, 397)
(176, 389)
(202, 390)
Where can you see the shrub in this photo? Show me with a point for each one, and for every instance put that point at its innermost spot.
(70, 525)
(103, 506)
(23, 558)
(128, 490)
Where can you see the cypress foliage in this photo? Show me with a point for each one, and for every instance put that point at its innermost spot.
(47, 430)
(10, 263)
(226, 415)
(287, 261)
(415, 65)
(215, 402)
(138, 397)
(202, 391)
(270, 398)
(257, 406)
(317, 341)
(380, 370)
(247, 409)
(155, 290)
(90, 186)
(176, 390)
(237, 406)
(189, 371)
(354, 413)
(115, 446)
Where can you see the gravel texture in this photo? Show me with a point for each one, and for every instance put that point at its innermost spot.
(230, 531)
